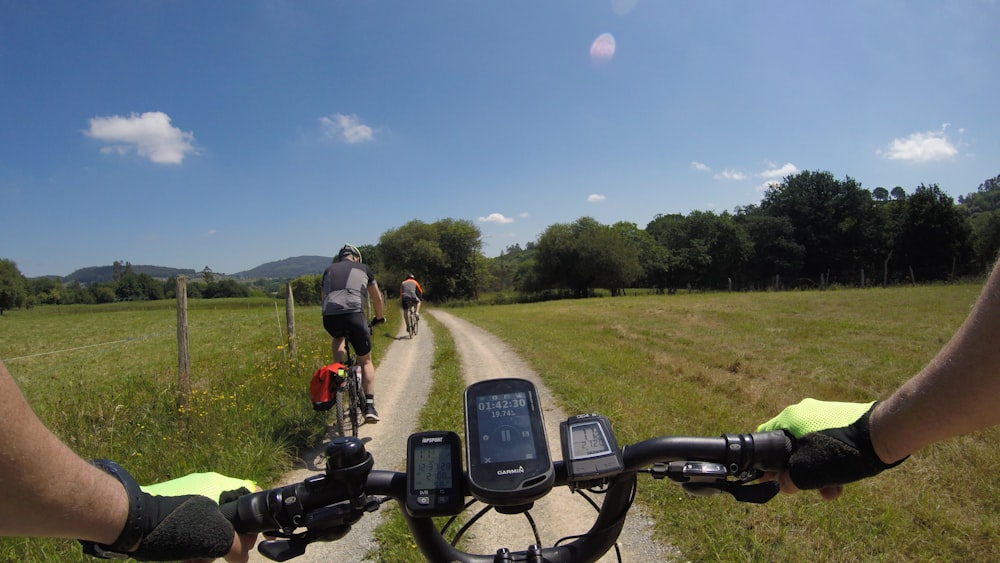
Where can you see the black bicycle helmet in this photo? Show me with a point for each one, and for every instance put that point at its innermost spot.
(348, 250)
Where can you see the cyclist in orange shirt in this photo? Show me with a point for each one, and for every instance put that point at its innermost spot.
(410, 293)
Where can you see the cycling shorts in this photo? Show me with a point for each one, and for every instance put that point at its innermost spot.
(408, 301)
(354, 327)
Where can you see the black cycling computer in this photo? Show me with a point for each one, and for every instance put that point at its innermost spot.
(434, 478)
(507, 453)
(589, 449)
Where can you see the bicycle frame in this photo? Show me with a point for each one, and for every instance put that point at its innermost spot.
(410, 316)
(349, 402)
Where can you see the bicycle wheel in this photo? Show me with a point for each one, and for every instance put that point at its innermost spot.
(416, 322)
(408, 317)
(353, 403)
(342, 407)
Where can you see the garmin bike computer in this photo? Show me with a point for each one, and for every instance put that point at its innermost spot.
(507, 453)
(434, 474)
(589, 450)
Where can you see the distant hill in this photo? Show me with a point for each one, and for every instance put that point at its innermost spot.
(289, 268)
(100, 274)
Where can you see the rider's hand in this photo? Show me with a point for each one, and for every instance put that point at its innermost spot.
(832, 446)
(180, 519)
(376, 321)
(216, 487)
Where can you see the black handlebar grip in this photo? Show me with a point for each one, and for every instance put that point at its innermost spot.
(256, 512)
(229, 511)
(771, 450)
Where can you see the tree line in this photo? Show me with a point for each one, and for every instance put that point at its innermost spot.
(17, 292)
(809, 231)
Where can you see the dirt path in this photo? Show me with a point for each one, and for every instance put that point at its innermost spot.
(404, 376)
(560, 513)
(403, 380)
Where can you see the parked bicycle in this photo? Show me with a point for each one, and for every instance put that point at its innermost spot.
(508, 467)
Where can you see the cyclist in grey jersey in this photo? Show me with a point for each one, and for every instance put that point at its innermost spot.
(345, 283)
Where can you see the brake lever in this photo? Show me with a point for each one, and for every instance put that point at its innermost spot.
(282, 550)
(294, 545)
(704, 479)
(326, 524)
(757, 493)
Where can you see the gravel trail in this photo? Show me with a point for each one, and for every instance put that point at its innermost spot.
(404, 377)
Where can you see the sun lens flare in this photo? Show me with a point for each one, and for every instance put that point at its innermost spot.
(602, 49)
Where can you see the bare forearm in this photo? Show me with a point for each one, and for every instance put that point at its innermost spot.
(958, 392)
(45, 488)
(377, 303)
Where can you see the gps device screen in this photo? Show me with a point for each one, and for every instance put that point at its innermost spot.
(590, 450)
(432, 467)
(434, 474)
(504, 428)
(588, 440)
(507, 453)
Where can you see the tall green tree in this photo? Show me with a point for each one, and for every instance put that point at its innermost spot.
(777, 257)
(983, 211)
(833, 220)
(585, 255)
(444, 256)
(654, 259)
(891, 220)
(461, 245)
(13, 286)
(707, 250)
(934, 240)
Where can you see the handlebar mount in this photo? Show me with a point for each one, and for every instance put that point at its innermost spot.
(323, 507)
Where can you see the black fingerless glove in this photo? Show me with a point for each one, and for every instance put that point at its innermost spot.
(166, 528)
(836, 456)
(823, 456)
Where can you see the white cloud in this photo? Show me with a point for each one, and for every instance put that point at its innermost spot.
(497, 218)
(921, 147)
(346, 128)
(593, 198)
(150, 134)
(523, 215)
(211, 232)
(780, 172)
(730, 175)
(700, 166)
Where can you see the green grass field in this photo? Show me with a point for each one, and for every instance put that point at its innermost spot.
(103, 378)
(715, 363)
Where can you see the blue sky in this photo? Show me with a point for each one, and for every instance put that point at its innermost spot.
(232, 133)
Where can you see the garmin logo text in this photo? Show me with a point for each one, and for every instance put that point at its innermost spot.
(519, 469)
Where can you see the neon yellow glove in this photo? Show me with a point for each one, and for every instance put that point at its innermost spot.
(174, 520)
(831, 443)
(210, 485)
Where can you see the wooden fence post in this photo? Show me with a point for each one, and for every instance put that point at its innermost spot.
(183, 359)
(290, 318)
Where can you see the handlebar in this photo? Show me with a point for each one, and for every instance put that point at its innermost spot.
(326, 505)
